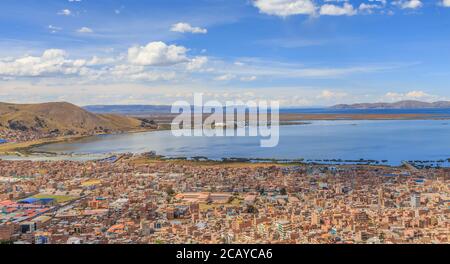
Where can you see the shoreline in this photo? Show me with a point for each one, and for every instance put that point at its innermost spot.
(213, 163)
(204, 161)
(24, 149)
(302, 162)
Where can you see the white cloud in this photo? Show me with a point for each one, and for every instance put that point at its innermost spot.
(55, 68)
(157, 54)
(52, 61)
(333, 10)
(417, 94)
(140, 65)
(369, 7)
(197, 63)
(327, 95)
(225, 77)
(100, 61)
(248, 78)
(139, 73)
(408, 4)
(446, 3)
(54, 29)
(144, 62)
(392, 95)
(364, 6)
(285, 8)
(65, 12)
(187, 28)
(412, 95)
(85, 30)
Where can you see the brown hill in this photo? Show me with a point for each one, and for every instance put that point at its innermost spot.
(62, 118)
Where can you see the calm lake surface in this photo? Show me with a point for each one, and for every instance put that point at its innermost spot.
(391, 140)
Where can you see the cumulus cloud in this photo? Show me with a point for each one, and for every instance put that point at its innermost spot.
(412, 95)
(373, 5)
(417, 94)
(285, 8)
(334, 10)
(142, 63)
(157, 54)
(100, 61)
(139, 73)
(187, 28)
(409, 4)
(52, 61)
(327, 95)
(65, 12)
(85, 30)
(197, 63)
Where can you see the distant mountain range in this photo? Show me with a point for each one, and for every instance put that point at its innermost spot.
(129, 109)
(397, 105)
(142, 110)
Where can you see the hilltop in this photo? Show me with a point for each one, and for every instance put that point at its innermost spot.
(397, 105)
(62, 118)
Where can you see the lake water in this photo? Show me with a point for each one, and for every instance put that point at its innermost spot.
(391, 140)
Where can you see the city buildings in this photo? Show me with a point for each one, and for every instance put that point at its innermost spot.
(140, 200)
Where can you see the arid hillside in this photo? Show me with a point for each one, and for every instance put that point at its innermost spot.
(63, 119)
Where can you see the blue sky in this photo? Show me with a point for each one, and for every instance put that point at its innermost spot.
(301, 52)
